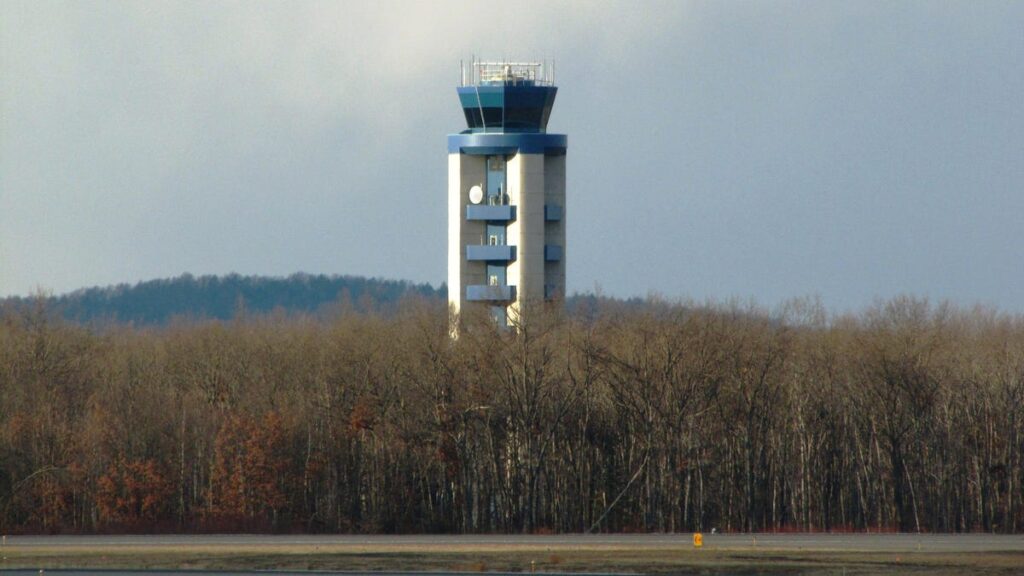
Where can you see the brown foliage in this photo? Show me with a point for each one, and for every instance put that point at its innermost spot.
(250, 466)
(628, 418)
(132, 493)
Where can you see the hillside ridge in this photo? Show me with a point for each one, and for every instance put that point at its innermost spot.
(216, 297)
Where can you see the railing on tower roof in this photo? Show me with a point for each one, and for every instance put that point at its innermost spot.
(498, 73)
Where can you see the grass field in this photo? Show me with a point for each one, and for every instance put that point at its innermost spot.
(516, 558)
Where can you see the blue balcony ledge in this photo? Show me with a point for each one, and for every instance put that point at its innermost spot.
(488, 212)
(485, 293)
(552, 213)
(490, 253)
(552, 253)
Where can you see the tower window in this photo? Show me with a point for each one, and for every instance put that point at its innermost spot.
(500, 316)
(497, 274)
(496, 179)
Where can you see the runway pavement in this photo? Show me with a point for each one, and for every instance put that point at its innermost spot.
(843, 542)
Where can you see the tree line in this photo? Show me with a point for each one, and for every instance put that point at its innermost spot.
(188, 297)
(661, 417)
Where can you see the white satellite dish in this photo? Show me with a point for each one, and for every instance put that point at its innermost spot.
(476, 194)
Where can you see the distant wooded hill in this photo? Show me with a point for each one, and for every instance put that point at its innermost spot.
(156, 302)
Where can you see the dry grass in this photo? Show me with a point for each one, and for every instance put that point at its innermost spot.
(518, 558)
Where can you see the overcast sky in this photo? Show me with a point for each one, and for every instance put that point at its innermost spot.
(764, 150)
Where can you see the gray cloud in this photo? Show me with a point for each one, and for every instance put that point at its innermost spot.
(852, 150)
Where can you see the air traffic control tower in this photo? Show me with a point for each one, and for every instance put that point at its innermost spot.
(506, 192)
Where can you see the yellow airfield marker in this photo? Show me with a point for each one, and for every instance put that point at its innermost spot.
(698, 540)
